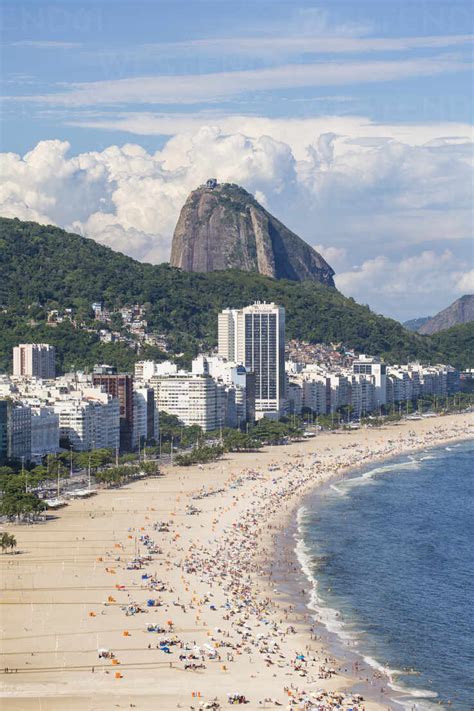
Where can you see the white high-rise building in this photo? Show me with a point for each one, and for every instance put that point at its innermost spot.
(194, 399)
(233, 376)
(368, 365)
(401, 385)
(340, 391)
(19, 432)
(146, 369)
(145, 417)
(255, 337)
(226, 338)
(294, 396)
(44, 432)
(37, 360)
(90, 422)
(362, 395)
(75, 423)
(316, 393)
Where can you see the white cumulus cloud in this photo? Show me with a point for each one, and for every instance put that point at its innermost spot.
(415, 280)
(465, 284)
(366, 197)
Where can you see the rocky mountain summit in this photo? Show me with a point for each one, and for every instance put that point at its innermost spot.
(460, 311)
(222, 226)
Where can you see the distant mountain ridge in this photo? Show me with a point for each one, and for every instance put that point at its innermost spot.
(459, 312)
(222, 226)
(415, 323)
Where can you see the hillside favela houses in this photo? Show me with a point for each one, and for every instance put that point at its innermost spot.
(253, 373)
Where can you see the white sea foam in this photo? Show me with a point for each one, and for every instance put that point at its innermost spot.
(410, 704)
(416, 693)
(304, 559)
(301, 515)
(371, 662)
(331, 620)
(401, 688)
(419, 457)
(368, 477)
(328, 616)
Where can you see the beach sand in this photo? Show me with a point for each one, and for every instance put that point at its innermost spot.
(64, 596)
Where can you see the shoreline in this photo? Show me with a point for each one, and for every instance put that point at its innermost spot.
(290, 539)
(211, 559)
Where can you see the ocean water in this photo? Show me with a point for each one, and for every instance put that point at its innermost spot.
(390, 554)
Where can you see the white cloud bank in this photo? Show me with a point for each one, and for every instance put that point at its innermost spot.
(373, 201)
(411, 283)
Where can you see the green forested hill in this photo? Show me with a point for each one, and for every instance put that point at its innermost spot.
(43, 267)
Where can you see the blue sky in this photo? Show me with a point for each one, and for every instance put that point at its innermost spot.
(328, 108)
(48, 48)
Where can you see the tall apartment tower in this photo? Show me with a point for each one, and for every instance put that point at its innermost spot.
(255, 337)
(37, 360)
(120, 386)
(371, 366)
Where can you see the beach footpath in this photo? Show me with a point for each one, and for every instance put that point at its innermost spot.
(159, 595)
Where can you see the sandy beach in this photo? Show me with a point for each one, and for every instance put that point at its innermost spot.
(198, 544)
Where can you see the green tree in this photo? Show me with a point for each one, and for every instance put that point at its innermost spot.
(4, 540)
(200, 455)
(236, 441)
(150, 468)
(11, 542)
(21, 505)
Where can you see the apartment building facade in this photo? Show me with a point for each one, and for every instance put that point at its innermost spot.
(255, 337)
(37, 360)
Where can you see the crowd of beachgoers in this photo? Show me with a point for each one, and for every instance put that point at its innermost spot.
(198, 596)
(229, 566)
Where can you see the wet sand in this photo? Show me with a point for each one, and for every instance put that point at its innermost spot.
(66, 594)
